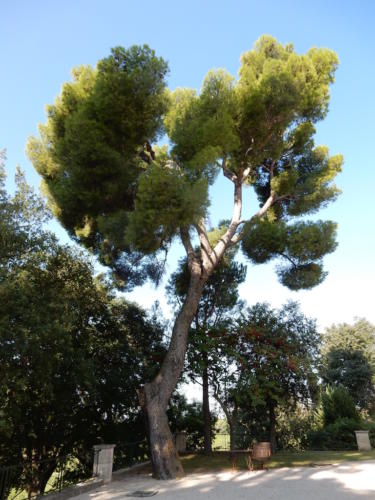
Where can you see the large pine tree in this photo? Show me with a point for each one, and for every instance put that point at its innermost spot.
(126, 200)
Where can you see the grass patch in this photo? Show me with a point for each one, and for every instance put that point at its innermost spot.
(220, 460)
(221, 442)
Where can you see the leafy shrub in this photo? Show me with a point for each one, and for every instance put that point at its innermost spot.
(293, 428)
(338, 419)
(338, 404)
(188, 417)
(338, 435)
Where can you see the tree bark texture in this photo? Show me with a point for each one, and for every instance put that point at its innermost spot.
(206, 408)
(165, 459)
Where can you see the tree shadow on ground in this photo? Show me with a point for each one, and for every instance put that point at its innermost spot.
(346, 481)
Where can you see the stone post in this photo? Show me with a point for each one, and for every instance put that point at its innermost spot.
(363, 440)
(103, 461)
(181, 442)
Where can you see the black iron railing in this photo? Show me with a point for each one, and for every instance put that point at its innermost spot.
(221, 442)
(128, 454)
(32, 479)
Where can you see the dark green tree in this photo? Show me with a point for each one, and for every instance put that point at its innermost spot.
(337, 419)
(126, 201)
(360, 336)
(352, 370)
(21, 220)
(278, 355)
(188, 417)
(47, 306)
(349, 360)
(337, 404)
(71, 356)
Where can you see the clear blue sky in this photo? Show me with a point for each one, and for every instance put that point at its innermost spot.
(40, 41)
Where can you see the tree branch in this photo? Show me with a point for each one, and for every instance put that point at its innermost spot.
(195, 381)
(287, 258)
(206, 249)
(224, 241)
(227, 173)
(246, 173)
(192, 257)
(270, 201)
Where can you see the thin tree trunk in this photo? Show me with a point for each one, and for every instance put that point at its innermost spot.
(165, 459)
(38, 475)
(272, 427)
(232, 421)
(206, 407)
(231, 436)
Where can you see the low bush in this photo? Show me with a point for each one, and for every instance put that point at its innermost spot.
(293, 428)
(338, 404)
(338, 435)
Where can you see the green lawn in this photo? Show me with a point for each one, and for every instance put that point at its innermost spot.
(221, 459)
(221, 442)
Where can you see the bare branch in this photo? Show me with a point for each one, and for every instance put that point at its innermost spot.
(192, 257)
(147, 154)
(287, 258)
(150, 150)
(225, 240)
(246, 173)
(270, 201)
(236, 238)
(194, 380)
(206, 249)
(227, 173)
(250, 147)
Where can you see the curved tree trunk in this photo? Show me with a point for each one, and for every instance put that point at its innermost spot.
(165, 460)
(166, 463)
(206, 408)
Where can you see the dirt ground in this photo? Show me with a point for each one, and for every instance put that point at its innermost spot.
(349, 480)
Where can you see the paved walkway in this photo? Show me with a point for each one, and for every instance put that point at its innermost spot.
(350, 480)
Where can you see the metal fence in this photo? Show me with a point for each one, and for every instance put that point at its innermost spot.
(128, 454)
(221, 442)
(36, 478)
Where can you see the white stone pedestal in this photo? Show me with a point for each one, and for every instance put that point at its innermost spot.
(181, 442)
(363, 440)
(103, 461)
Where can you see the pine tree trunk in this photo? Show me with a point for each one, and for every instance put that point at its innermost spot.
(164, 457)
(206, 408)
(165, 460)
(272, 427)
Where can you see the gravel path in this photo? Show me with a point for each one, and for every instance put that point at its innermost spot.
(349, 480)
